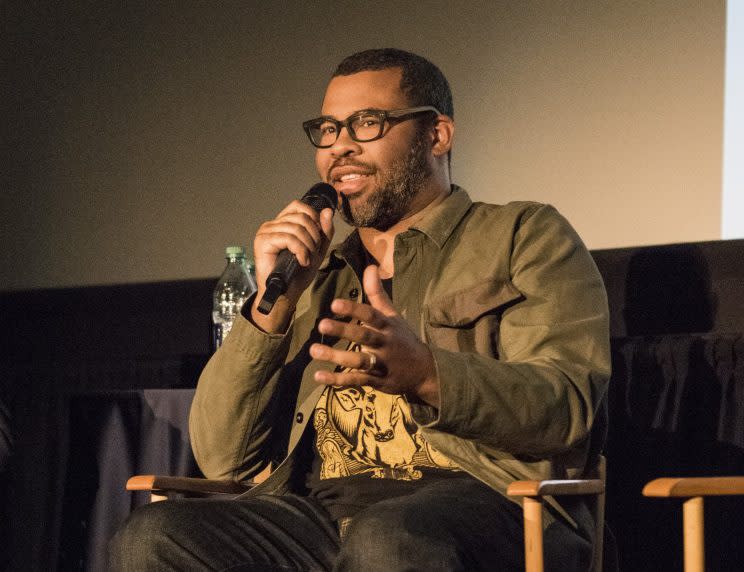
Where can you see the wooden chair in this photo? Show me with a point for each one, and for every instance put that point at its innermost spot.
(162, 487)
(694, 489)
(534, 493)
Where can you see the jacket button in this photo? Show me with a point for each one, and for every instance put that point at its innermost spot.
(353, 293)
(299, 417)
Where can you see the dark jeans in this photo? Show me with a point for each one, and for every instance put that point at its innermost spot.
(453, 524)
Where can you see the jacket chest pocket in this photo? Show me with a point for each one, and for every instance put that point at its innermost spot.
(468, 320)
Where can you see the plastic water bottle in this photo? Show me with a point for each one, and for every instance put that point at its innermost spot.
(233, 288)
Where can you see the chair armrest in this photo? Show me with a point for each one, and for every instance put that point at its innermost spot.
(694, 487)
(159, 483)
(532, 506)
(692, 490)
(556, 487)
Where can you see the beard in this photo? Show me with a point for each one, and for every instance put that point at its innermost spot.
(398, 186)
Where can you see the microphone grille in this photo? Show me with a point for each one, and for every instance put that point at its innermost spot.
(321, 196)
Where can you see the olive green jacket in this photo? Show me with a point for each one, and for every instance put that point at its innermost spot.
(515, 313)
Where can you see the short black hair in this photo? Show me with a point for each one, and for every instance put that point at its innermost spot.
(421, 81)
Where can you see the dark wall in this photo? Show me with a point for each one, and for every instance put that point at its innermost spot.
(62, 342)
(682, 288)
(132, 320)
(678, 288)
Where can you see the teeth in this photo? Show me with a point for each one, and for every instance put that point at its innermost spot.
(350, 176)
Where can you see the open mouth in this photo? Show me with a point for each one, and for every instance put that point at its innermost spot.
(349, 181)
(350, 177)
(344, 170)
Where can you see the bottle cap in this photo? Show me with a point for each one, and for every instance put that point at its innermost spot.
(235, 252)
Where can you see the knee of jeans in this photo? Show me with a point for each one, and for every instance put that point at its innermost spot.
(141, 533)
(371, 538)
(565, 550)
(377, 538)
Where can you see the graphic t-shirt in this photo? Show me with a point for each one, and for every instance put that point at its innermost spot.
(368, 448)
(360, 430)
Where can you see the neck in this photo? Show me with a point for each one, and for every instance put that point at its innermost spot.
(380, 243)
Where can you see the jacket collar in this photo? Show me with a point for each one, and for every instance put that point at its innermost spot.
(438, 225)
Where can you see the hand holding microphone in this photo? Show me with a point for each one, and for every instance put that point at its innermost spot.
(288, 251)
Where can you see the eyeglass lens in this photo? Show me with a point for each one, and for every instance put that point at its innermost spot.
(362, 127)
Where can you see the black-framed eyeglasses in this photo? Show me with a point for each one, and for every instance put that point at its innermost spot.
(363, 126)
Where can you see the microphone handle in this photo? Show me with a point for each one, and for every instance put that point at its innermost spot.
(278, 281)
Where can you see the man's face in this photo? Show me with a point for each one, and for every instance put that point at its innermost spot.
(378, 180)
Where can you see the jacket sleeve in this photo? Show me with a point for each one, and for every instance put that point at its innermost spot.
(539, 396)
(231, 418)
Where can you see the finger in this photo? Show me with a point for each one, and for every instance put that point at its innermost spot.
(310, 235)
(311, 224)
(361, 312)
(359, 333)
(376, 294)
(343, 358)
(345, 378)
(326, 223)
(275, 242)
(298, 206)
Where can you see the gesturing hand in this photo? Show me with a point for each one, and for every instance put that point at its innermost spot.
(402, 363)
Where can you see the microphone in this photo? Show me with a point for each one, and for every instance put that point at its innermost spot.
(320, 196)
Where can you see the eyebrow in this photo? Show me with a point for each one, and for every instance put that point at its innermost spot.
(352, 113)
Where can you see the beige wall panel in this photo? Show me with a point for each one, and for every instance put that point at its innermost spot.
(143, 139)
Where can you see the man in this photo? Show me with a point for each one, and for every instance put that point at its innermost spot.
(444, 350)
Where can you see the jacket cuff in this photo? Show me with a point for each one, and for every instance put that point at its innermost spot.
(251, 341)
(426, 415)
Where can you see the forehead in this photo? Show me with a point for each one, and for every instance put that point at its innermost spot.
(364, 90)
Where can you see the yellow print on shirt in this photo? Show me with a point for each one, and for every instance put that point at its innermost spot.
(362, 430)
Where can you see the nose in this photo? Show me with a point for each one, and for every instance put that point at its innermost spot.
(344, 145)
(384, 436)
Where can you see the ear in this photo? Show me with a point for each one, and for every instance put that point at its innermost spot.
(444, 131)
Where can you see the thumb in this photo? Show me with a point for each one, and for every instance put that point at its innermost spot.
(326, 223)
(376, 294)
